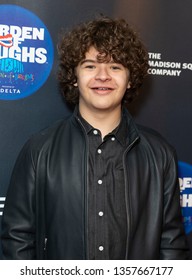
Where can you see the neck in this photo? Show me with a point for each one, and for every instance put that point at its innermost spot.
(104, 121)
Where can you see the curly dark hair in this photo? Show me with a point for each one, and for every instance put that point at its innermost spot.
(112, 39)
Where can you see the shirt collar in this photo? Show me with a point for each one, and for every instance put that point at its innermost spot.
(120, 132)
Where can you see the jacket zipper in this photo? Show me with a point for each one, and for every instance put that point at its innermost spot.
(127, 195)
(85, 196)
(45, 244)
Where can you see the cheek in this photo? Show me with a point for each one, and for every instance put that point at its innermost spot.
(83, 84)
(124, 82)
(127, 83)
(80, 81)
(83, 79)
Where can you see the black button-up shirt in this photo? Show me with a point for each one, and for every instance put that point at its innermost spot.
(107, 219)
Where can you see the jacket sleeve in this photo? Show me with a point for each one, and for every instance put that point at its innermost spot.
(18, 222)
(173, 242)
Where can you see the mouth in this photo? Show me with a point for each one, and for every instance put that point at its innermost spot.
(102, 89)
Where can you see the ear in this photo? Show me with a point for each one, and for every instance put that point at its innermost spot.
(128, 85)
(75, 84)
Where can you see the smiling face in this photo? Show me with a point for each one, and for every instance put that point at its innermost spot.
(102, 85)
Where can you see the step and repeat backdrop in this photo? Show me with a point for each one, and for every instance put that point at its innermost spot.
(29, 93)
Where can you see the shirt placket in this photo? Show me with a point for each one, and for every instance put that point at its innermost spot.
(100, 187)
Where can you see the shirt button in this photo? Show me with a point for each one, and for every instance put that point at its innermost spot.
(95, 132)
(112, 138)
(101, 248)
(100, 182)
(101, 213)
(99, 151)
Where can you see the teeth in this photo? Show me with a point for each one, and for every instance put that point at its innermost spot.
(103, 88)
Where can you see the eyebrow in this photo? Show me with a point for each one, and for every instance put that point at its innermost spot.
(88, 60)
(96, 61)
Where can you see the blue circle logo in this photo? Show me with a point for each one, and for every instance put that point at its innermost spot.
(185, 182)
(26, 53)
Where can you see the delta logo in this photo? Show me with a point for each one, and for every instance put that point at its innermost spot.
(26, 53)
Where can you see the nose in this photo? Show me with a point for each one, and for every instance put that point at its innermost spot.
(102, 73)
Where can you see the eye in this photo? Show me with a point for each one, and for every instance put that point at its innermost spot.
(116, 67)
(89, 66)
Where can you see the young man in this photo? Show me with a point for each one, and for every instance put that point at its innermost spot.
(96, 186)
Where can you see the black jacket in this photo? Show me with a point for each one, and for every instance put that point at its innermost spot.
(45, 214)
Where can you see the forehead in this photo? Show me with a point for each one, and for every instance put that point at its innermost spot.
(95, 55)
(93, 52)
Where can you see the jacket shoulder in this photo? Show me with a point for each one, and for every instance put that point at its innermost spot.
(43, 141)
(154, 139)
(43, 137)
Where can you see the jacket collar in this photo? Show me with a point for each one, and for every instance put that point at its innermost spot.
(133, 133)
(132, 130)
